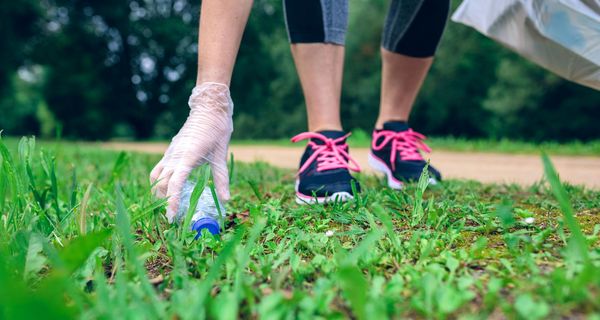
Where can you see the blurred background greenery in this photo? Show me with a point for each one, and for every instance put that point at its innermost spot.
(124, 69)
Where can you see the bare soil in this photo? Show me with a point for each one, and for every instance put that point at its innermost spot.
(484, 167)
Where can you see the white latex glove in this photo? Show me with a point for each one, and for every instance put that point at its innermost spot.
(204, 138)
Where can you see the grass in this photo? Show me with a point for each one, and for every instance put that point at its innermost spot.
(361, 139)
(82, 237)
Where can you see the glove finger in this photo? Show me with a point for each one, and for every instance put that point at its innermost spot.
(156, 171)
(161, 187)
(221, 178)
(175, 188)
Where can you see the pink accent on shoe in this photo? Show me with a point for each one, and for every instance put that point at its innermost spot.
(333, 154)
(407, 143)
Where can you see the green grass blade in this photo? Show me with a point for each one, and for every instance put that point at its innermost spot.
(365, 246)
(10, 186)
(119, 166)
(418, 210)
(562, 197)
(133, 263)
(76, 252)
(203, 174)
(355, 288)
(231, 168)
(217, 203)
(386, 220)
(215, 269)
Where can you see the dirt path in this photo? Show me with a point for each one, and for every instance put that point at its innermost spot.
(484, 167)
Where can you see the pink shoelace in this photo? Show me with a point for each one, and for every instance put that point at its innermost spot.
(332, 154)
(407, 143)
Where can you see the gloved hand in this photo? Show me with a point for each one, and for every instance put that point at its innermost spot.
(204, 138)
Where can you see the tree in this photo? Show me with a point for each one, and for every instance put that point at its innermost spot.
(120, 64)
(19, 22)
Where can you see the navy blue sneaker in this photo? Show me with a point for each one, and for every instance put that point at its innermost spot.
(324, 168)
(396, 151)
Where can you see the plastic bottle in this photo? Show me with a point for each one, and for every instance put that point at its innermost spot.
(206, 215)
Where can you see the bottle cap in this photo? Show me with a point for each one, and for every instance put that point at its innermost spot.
(206, 223)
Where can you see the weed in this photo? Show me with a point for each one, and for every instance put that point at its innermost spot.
(81, 236)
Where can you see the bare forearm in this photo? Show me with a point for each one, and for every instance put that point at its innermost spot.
(222, 24)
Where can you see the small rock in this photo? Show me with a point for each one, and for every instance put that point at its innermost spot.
(529, 220)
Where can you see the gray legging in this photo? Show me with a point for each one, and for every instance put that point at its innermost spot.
(412, 27)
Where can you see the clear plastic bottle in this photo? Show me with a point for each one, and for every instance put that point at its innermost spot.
(206, 215)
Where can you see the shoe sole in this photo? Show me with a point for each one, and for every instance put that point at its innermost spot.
(335, 197)
(392, 182)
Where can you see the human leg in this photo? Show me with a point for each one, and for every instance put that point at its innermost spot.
(319, 67)
(412, 32)
(317, 29)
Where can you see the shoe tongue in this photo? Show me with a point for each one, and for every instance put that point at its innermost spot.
(331, 134)
(396, 126)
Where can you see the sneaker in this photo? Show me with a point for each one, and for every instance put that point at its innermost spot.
(324, 168)
(396, 151)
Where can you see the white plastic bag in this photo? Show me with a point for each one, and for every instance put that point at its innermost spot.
(560, 35)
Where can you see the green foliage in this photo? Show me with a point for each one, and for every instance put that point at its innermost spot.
(459, 249)
(124, 69)
(527, 308)
(19, 24)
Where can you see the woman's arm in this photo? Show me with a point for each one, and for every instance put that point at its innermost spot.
(204, 137)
